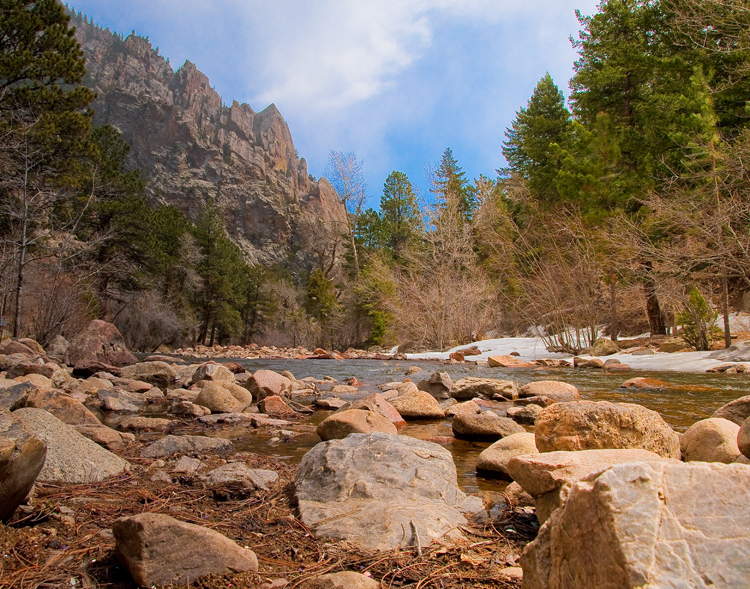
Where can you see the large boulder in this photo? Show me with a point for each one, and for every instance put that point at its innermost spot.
(589, 425)
(710, 440)
(559, 392)
(159, 373)
(439, 385)
(172, 445)
(495, 458)
(22, 455)
(484, 426)
(472, 386)
(264, 383)
(548, 476)
(418, 405)
(655, 524)
(99, 342)
(735, 411)
(160, 550)
(381, 491)
(359, 421)
(71, 457)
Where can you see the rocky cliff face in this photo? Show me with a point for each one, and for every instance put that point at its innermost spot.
(189, 146)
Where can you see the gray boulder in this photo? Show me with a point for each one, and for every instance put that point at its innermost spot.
(438, 385)
(380, 491)
(71, 457)
(160, 550)
(656, 524)
(22, 455)
(739, 352)
(171, 445)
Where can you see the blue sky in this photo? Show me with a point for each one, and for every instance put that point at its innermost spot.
(395, 81)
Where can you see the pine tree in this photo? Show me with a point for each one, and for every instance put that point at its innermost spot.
(42, 124)
(451, 187)
(401, 217)
(535, 134)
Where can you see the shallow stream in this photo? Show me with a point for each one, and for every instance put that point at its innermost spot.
(688, 398)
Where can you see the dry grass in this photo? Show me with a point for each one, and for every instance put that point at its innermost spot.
(64, 538)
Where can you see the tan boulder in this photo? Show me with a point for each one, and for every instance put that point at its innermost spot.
(589, 425)
(417, 404)
(507, 362)
(544, 476)
(33, 344)
(743, 438)
(655, 524)
(264, 383)
(62, 406)
(559, 392)
(710, 440)
(160, 550)
(22, 455)
(354, 421)
(484, 426)
(524, 415)
(462, 408)
(212, 371)
(343, 580)
(275, 406)
(378, 404)
(471, 386)
(495, 458)
(735, 411)
(218, 398)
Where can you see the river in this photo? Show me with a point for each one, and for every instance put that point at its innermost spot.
(689, 398)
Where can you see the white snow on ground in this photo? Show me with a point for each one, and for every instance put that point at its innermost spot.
(531, 348)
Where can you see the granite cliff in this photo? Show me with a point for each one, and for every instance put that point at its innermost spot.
(189, 146)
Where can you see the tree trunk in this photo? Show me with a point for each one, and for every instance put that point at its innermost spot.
(613, 306)
(725, 309)
(656, 322)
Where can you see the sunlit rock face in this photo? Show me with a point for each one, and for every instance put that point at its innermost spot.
(190, 146)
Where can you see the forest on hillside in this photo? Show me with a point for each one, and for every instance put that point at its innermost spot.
(626, 207)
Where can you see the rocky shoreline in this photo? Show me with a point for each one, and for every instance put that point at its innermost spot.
(164, 497)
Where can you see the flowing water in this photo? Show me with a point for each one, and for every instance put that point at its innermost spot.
(688, 398)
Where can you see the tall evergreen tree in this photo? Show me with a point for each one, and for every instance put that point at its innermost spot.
(400, 212)
(42, 123)
(451, 187)
(536, 132)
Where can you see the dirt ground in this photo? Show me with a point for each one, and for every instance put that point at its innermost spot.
(63, 538)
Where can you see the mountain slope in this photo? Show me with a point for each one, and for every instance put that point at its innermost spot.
(190, 147)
